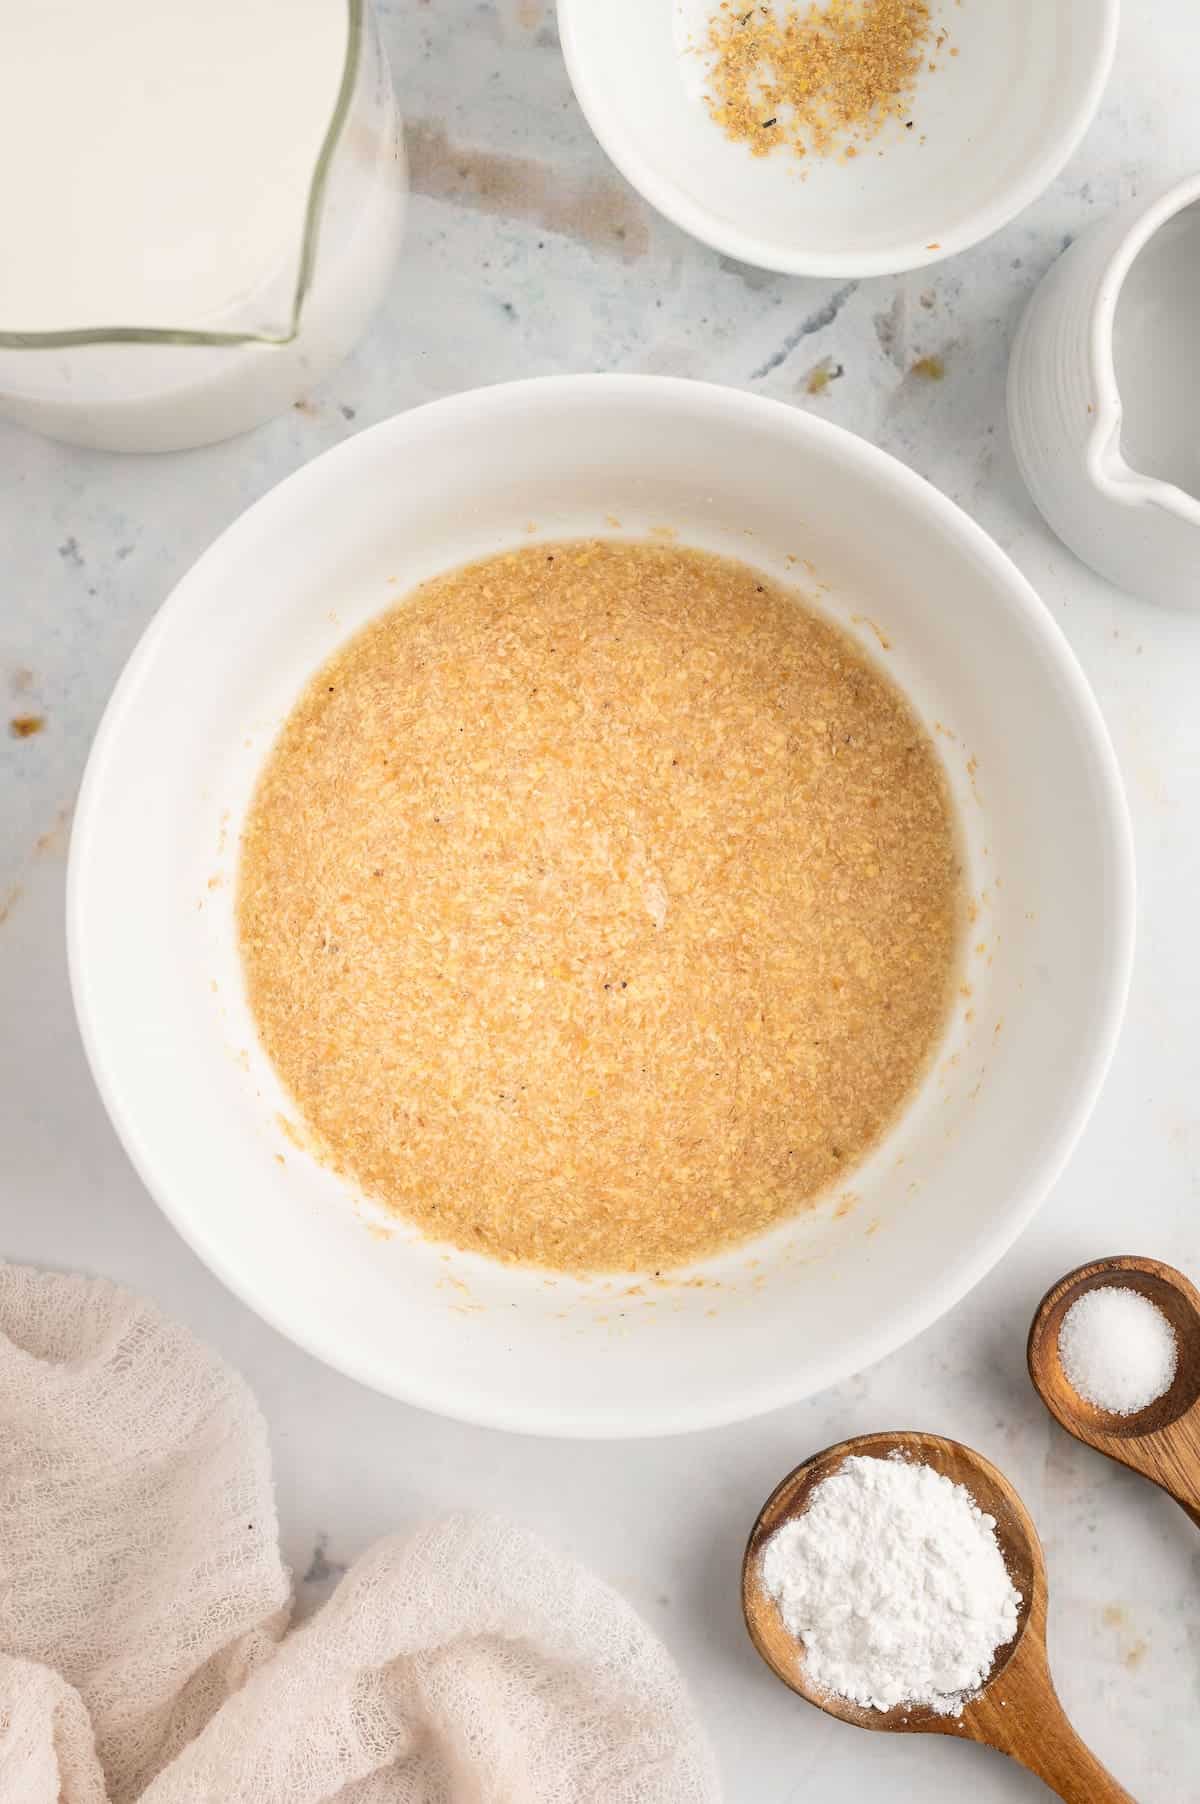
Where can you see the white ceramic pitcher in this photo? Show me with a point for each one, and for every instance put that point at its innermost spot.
(1104, 397)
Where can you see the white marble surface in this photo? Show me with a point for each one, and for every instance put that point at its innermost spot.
(527, 254)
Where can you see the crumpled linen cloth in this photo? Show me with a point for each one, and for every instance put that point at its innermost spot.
(145, 1652)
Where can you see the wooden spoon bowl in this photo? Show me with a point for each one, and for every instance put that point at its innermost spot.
(1161, 1441)
(1017, 1711)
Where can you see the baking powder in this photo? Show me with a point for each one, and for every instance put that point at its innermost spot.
(894, 1582)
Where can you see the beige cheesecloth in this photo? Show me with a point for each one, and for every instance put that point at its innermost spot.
(144, 1646)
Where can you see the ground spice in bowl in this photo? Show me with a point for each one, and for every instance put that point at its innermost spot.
(600, 905)
(821, 78)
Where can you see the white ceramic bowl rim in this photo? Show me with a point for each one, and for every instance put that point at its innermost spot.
(1131, 488)
(963, 1265)
(904, 255)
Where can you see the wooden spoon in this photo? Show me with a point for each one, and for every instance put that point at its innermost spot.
(1017, 1711)
(1161, 1441)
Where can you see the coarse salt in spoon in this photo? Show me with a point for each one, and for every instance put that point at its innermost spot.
(1161, 1439)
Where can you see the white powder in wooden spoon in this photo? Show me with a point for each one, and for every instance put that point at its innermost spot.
(895, 1583)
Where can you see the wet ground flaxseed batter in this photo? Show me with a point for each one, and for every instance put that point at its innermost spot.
(599, 905)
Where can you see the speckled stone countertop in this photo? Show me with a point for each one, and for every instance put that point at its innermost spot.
(527, 254)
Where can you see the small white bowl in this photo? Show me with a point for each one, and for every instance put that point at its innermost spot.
(1104, 397)
(157, 978)
(992, 127)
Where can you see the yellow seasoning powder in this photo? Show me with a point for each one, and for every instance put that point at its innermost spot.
(820, 78)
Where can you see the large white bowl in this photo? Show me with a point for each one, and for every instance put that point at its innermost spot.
(992, 125)
(155, 966)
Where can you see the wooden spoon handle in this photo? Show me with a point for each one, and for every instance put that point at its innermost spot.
(1172, 1459)
(1020, 1714)
(1057, 1755)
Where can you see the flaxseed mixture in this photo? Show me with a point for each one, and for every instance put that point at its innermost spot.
(819, 76)
(599, 905)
